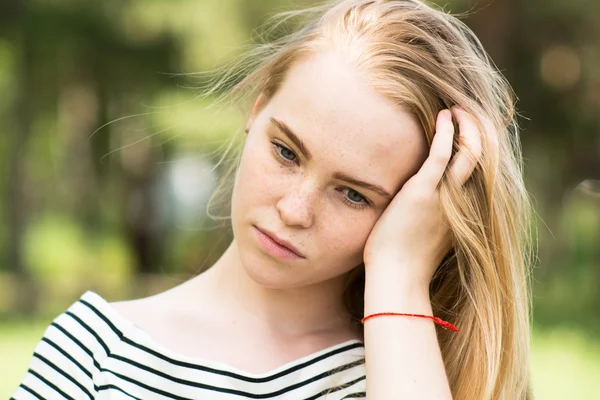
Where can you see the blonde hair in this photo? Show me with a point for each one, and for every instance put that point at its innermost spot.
(426, 60)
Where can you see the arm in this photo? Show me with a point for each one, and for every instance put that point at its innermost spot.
(408, 242)
(403, 358)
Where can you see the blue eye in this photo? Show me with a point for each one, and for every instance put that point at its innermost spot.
(354, 199)
(284, 153)
(287, 154)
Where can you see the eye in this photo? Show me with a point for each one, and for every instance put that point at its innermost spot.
(285, 154)
(351, 197)
(354, 199)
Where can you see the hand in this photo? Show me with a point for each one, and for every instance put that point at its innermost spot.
(412, 234)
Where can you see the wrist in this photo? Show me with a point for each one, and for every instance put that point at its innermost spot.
(390, 292)
(395, 276)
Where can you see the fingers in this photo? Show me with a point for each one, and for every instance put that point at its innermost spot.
(469, 151)
(470, 147)
(441, 149)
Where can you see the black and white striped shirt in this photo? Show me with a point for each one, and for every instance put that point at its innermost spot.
(92, 352)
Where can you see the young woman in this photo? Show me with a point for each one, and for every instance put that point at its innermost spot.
(355, 195)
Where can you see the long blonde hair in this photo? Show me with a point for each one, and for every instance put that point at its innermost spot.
(425, 60)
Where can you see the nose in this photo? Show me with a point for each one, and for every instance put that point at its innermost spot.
(296, 206)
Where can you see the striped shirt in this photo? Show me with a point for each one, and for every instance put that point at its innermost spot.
(92, 352)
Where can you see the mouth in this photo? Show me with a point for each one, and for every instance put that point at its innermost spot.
(276, 245)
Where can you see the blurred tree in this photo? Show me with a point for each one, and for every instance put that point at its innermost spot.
(72, 62)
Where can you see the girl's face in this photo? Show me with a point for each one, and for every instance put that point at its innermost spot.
(322, 160)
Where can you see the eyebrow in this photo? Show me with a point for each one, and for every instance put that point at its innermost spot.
(292, 136)
(338, 175)
(376, 188)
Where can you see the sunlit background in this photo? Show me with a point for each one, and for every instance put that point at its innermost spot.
(107, 158)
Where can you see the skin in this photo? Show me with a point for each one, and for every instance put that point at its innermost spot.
(403, 357)
(291, 308)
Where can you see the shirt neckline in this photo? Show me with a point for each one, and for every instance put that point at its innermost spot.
(140, 336)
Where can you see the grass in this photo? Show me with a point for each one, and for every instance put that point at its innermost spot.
(565, 363)
(17, 340)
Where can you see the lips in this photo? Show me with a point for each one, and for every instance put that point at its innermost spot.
(281, 242)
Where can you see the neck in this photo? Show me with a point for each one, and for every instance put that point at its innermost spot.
(297, 312)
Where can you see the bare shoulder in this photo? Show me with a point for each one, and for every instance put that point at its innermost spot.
(145, 312)
(171, 319)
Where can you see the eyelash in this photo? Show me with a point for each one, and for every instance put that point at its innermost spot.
(276, 150)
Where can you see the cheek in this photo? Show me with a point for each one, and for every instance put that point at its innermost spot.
(345, 236)
(258, 175)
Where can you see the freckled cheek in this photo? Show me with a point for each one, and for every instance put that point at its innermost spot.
(260, 175)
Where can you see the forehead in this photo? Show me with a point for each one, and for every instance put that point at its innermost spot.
(347, 124)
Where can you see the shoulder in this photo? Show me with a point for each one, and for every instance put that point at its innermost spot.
(69, 359)
(89, 322)
(88, 329)
(147, 314)
(70, 352)
(173, 321)
(154, 311)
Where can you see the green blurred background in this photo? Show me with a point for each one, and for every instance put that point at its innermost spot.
(107, 158)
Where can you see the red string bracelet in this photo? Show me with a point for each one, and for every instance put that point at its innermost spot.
(439, 321)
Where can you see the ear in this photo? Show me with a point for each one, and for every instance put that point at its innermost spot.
(259, 103)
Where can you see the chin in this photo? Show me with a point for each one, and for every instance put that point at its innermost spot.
(268, 272)
(263, 269)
